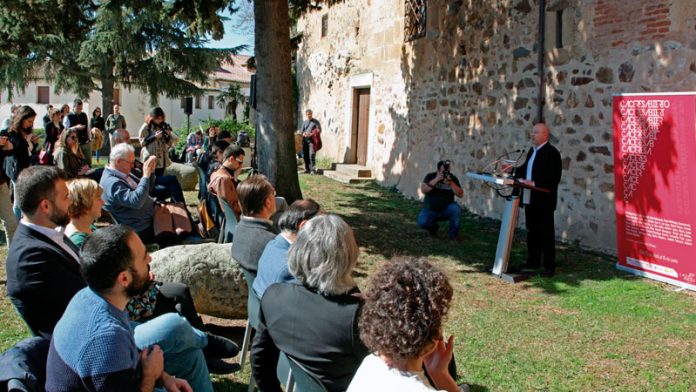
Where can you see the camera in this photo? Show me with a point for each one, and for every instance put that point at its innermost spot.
(446, 170)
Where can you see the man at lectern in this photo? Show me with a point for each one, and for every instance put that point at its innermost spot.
(541, 169)
(440, 188)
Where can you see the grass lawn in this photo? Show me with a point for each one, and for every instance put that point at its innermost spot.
(589, 328)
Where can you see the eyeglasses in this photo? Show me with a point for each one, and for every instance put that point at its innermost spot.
(240, 161)
(126, 160)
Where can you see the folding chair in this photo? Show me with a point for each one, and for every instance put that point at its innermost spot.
(300, 380)
(229, 223)
(253, 309)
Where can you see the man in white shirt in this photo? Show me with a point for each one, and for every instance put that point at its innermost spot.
(541, 169)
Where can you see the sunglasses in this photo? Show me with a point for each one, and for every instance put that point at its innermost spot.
(239, 160)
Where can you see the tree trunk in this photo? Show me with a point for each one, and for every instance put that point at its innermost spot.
(275, 146)
(107, 91)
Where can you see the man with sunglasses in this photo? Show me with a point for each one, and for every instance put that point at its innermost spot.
(223, 181)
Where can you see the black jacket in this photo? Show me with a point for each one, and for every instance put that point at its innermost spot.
(24, 365)
(319, 331)
(20, 153)
(42, 278)
(546, 173)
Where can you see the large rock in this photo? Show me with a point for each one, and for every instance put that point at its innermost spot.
(216, 282)
(186, 174)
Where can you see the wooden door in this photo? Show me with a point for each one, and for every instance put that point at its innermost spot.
(363, 111)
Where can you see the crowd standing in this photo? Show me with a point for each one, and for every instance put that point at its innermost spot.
(112, 325)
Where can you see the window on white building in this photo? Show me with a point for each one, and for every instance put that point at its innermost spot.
(43, 95)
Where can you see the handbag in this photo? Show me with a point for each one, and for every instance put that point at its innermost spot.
(206, 223)
(316, 139)
(44, 156)
(172, 221)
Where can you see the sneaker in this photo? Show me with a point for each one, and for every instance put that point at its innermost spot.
(220, 347)
(218, 366)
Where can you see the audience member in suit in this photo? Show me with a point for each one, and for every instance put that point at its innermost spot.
(541, 169)
(273, 264)
(401, 322)
(43, 270)
(313, 321)
(255, 229)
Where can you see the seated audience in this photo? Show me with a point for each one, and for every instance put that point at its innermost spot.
(254, 230)
(121, 136)
(127, 200)
(85, 208)
(68, 155)
(226, 136)
(313, 321)
(223, 182)
(194, 145)
(212, 159)
(93, 346)
(85, 196)
(43, 271)
(401, 323)
(273, 264)
(165, 186)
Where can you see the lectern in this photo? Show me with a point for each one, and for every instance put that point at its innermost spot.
(507, 223)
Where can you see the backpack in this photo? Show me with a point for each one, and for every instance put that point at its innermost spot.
(243, 139)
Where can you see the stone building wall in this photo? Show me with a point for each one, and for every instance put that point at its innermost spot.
(467, 91)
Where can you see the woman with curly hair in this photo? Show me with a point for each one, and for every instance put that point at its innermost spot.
(401, 324)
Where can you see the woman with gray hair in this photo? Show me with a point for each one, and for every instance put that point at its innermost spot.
(313, 321)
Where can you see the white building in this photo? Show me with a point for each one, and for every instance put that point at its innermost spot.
(135, 104)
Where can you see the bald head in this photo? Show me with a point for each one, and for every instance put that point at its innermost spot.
(540, 134)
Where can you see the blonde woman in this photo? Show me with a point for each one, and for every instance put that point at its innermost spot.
(68, 155)
(85, 208)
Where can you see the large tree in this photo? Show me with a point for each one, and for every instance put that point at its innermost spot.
(275, 124)
(86, 45)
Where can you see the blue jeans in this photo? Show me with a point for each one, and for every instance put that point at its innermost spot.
(166, 187)
(181, 345)
(428, 219)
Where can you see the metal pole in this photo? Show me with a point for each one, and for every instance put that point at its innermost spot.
(540, 60)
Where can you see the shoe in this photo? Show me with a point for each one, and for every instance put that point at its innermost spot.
(218, 366)
(220, 347)
(456, 239)
(547, 273)
(432, 232)
(527, 267)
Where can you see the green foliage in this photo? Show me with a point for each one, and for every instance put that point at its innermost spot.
(156, 46)
(228, 124)
(229, 99)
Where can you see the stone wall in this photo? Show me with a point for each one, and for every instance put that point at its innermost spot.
(467, 91)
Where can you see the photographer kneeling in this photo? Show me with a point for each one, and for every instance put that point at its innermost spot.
(440, 188)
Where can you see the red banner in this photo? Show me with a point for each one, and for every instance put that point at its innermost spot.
(655, 182)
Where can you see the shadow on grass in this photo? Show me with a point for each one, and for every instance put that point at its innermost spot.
(385, 224)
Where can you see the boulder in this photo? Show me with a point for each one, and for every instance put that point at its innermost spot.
(217, 283)
(186, 174)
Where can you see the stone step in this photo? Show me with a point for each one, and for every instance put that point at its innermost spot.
(353, 170)
(345, 178)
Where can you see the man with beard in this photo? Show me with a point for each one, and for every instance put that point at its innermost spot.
(43, 275)
(93, 347)
(43, 272)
